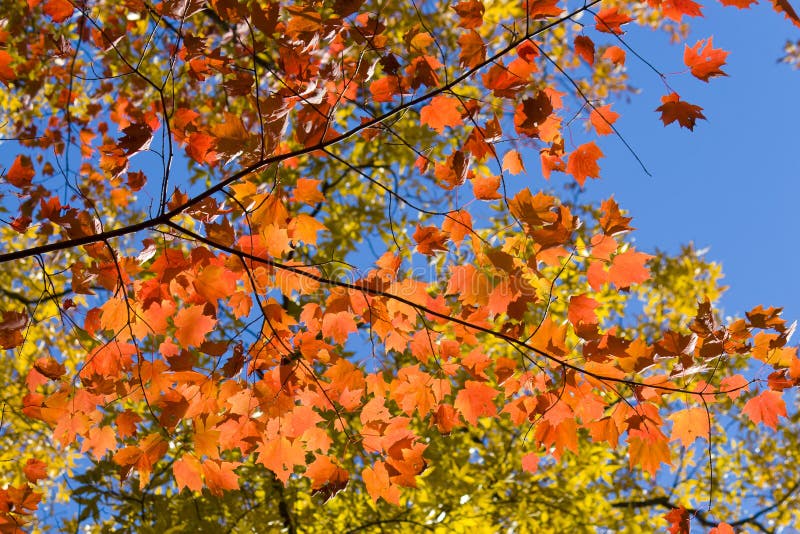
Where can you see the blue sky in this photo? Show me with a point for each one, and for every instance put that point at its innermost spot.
(733, 184)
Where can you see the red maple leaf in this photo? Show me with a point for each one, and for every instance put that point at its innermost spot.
(610, 19)
(582, 162)
(673, 109)
(705, 63)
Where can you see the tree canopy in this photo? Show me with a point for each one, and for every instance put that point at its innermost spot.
(276, 266)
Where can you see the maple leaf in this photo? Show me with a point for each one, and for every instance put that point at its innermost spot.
(581, 310)
(530, 462)
(231, 136)
(648, 449)
(307, 190)
(100, 440)
(765, 408)
(678, 519)
(540, 9)
(705, 63)
(615, 54)
(584, 47)
(384, 89)
(689, 424)
(7, 73)
(676, 9)
(722, 528)
(327, 478)
(582, 162)
(602, 118)
(35, 470)
(58, 10)
(472, 49)
(280, 456)
(673, 109)
(531, 113)
(137, 138)
(199, 147)
(429, 239)
(376, 479)
(187, 471)
(458, 224)
(21, 172)
(338, 326)
(783, 6)
(610, 19)
(470, 13)
(512, 162)
(220, 476)
(476, 400)
(441, 112)
(733, 386)
(50, 367)
(486, 188)
(192, 326)
(629, 268)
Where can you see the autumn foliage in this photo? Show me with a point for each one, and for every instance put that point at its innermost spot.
(308, 243)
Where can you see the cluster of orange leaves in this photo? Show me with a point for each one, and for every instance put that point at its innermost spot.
(287, 399)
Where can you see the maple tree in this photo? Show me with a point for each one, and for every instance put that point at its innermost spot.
(262, 252)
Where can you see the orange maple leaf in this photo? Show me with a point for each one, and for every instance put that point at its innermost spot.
(673, 109)
(187, 471)
(429, 239)
(35, 470)
(458, 224)
(384, 89)
(58, 10)
(581, 310)
(530, 462)
(610, 19)
(611, 220)
(21, 172)
(280, 456)
(676, 9)
(441, 112)
(50, 367)
(476, 400)
(688, 425)
(470, 12)
(338, 326)
(307, 190)
(192, 326)
(733, 386)
(473, 49)
(486, 188)
(376, 479)
(7, 73)
(722, 528)
(705, 63)
(540, 9)
(629, 268)
(648, 449)
(602, 118)
(615, 54)
(512, 162)
(220, 476)
(327, 478)
(100, 440)
(582, 162)
(766, 408)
